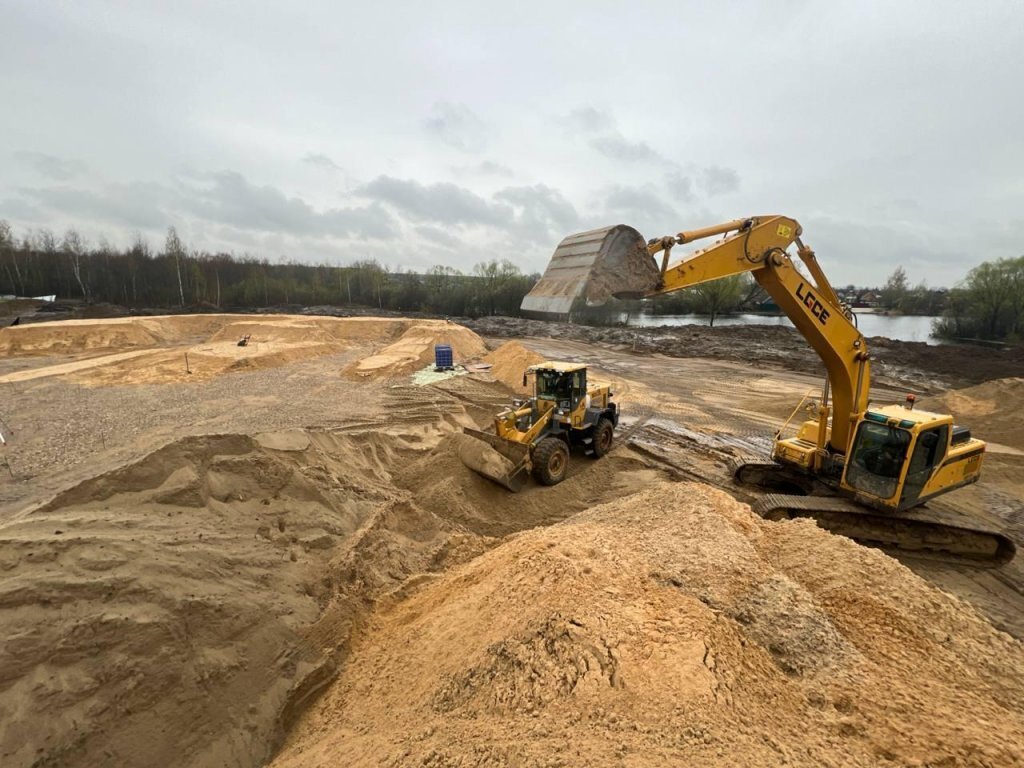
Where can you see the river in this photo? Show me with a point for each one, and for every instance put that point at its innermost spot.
(902, 327)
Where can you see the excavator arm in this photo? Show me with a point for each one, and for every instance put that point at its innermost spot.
(758, 245)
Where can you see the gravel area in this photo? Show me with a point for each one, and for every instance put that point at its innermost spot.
(60, 432)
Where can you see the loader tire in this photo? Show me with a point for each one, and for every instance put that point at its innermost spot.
(551, 461)
(604, 434)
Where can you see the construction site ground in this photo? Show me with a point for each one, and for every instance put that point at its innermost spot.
(271, 553)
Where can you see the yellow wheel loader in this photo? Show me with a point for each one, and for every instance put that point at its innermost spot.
(538, 434)
(860, 469)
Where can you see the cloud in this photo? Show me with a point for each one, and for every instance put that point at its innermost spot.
(231, 199)
(588, 120)
(457, 126)
(224, 198)
(486, 168)
(617, 147)
(490, 168)
(607, 139)
(521, 214)
(716, 180)
(646, 200)
(438, 235)
(134, 204)
(322, 161)
(17, 208)
(56, 168)
(679, 186)
(641, 207)
(541, 212)
(443, 202)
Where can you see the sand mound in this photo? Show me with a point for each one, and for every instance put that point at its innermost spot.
(415, 349)
(152, 615)
(74, 336)
(673, 627)
(444, 486)
(508, 363)
(993, 410)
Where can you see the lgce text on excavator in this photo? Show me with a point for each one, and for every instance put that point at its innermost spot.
(860, 469)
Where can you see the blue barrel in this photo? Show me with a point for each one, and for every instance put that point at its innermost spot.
(443, 357)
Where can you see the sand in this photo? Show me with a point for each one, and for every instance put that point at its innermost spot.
(152, 615)
(358, 597)
(153, 350)
(673, 627)
(509, 361)
(415, 348)
(993, 410)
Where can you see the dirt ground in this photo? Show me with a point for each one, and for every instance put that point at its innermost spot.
(279, 558)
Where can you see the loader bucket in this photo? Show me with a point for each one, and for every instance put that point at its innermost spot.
(497, 459)
(588, 268)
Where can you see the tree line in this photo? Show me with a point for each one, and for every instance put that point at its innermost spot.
(989, 304)
(39, 263)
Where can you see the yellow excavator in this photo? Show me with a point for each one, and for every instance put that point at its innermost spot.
(859, 469)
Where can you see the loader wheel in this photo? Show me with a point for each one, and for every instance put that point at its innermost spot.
(551, 461)
(604, 433)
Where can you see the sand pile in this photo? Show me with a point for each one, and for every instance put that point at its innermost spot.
(993, 410)
(74, 336)
(509, 361)
(415, 349)
(153, 616)
(673, 627)
(183, 609)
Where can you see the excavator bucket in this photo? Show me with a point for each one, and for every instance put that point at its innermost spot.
(588, 268)
(503, 461)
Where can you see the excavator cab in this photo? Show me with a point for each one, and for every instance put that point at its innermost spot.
(900, 457)
(876, 461)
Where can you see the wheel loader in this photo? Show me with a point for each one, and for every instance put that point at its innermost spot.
(538, 434)
(858, 468)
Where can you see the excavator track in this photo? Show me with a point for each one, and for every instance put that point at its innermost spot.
(919, 532)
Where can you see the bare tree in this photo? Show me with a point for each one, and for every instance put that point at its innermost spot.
(74, 245)
(173, 247)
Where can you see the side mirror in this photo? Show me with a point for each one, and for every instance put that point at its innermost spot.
(524, 379)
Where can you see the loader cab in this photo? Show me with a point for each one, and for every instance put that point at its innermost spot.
(894, 454)
(562, 384)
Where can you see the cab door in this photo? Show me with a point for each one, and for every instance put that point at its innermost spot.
(929, 451)
(579, 397)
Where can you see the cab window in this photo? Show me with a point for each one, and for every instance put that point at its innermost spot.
(556, 386)
(928, 453)
(877, 458)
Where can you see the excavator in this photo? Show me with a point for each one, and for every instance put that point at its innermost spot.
(860, 469)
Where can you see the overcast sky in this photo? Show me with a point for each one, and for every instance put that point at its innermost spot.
(451, 132)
